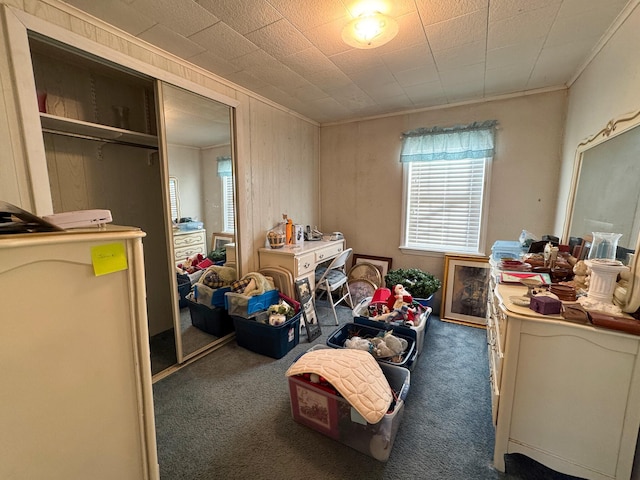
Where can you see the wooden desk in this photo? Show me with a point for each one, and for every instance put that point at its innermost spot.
(301, 260)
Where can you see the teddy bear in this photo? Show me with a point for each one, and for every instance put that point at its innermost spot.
(580, 279)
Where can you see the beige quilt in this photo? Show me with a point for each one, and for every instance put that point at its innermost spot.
(353, 373)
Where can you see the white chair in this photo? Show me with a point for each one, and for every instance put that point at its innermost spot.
(332, 277)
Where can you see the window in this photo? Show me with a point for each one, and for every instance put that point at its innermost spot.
(225, 172)
(446, 173)
(228, 216)
(174, 199)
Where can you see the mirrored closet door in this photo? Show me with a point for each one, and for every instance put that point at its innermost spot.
(197, 149)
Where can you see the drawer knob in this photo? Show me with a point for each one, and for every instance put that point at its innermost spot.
(307, 265)
(321, 255)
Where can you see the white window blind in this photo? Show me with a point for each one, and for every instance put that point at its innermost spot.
(173, 199)
(225, 172)
(227, 204)
(444, 190)
(444, 204)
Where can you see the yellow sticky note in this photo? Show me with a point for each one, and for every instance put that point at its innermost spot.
(108, 258)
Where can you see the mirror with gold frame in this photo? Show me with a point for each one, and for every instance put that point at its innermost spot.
(605, 196)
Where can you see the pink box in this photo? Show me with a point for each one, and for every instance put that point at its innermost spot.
(545, 305)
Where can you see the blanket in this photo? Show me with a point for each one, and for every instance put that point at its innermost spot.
(353, 373)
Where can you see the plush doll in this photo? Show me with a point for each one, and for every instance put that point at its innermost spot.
(399, 297)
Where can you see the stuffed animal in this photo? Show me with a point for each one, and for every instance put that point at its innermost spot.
(399, 297)
(581, 271)
(389, 346)
(400, 307)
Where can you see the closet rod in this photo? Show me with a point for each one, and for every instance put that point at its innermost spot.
(98, 139)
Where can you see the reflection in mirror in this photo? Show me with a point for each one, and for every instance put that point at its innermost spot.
(174, 196)
(605, 196)
(199, 159)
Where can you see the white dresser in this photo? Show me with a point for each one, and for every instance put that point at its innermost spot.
(187, 243)
(564, 394)
(75, 370)
(301, 260)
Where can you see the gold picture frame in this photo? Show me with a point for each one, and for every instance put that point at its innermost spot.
(465, 289)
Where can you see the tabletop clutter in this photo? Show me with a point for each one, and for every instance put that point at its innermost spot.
(560, 278)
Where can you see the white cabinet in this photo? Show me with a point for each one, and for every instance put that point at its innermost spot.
(76, 390)
(188, 243)
(565, 394)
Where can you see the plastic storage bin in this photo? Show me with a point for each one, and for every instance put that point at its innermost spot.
(359, 317)
(188, 226)
(244, 306)
(331, 414)
(270, 340)
(184, 287)
(338, 338)
(506, 249)
(212, 320)
(215, 297)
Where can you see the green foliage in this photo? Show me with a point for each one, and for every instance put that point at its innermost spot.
(217, 255)
(418, 283)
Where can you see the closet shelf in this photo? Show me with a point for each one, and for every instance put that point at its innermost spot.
(92, 131)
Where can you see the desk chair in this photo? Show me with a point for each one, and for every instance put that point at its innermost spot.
(332, 277)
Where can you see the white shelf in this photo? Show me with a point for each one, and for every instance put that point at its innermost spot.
(93, 131)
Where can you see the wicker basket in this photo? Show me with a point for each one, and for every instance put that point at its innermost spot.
(276, 239)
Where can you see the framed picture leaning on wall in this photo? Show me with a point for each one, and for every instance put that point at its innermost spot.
(465, 289)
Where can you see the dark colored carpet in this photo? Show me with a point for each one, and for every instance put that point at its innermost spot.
(227, 416)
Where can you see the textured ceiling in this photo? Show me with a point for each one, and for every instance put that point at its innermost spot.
(447, 51)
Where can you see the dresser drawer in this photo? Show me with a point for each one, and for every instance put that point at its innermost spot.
(189, 239)
(181, 254)
(305, 264)
(328, 252)
(495, 389)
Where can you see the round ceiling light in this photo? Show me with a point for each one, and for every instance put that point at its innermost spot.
(370, 30)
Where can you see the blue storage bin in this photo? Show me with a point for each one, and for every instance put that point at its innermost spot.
(506, 249)
(245, 306)
(338, 338)
(187, 226)
(212, 320)
(271, 340)
(217, 295)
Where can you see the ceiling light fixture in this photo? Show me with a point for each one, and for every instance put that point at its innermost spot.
(370, 30)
